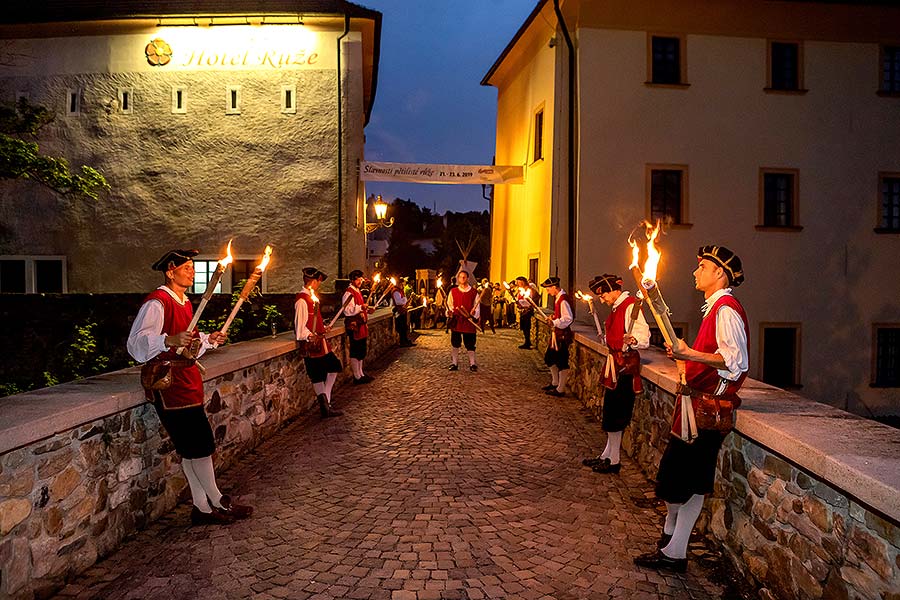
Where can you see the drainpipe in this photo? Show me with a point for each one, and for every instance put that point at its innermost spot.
(571, 139)
(340, 153)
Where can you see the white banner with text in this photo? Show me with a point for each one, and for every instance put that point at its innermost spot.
(417, 173)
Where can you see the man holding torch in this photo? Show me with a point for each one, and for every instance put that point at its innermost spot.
(715, 369)
(356, 315)
(463, 311)
(158, 333)
(557, 355)
(524, 288)
(624, 332)
(322, 366)
(401, 313)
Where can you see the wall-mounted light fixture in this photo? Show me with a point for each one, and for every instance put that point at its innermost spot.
(380, 214)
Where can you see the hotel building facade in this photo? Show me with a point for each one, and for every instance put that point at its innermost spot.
(767, 127)
(211, 120)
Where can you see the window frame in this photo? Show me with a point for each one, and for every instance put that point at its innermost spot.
(684, 222)
(801, 88)
(176, 110)
(683, 325)
(292, 89)
(798, 350)
(795, 200)
(538, 111)
(879, 87)
(879, 204)
(873, 379)
(121, 94)
(31, 274)
(233, 91)
(73, 93)
(682, 61)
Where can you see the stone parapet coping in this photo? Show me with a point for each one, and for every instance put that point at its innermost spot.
(30, 417)
(858, 456)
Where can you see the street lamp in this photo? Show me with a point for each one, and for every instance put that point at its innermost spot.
(380, 214)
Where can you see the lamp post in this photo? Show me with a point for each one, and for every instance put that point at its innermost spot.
(380, 214)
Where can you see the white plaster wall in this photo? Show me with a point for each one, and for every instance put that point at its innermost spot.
(836, 276)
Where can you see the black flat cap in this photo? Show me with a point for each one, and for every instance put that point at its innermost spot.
(173, 259)
(726, 259)
(314, 273)
(605, 283)
(550, 281)
(355, 274)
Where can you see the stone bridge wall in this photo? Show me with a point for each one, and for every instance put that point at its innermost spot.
(807, 497)
(84, 464)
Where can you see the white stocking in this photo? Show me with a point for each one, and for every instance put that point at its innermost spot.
(554, 375)
(329, 384)
(605, 453)
(671, 516)
(614, 443)
(203, 467)
(563, 375)
(319, 388)
(454, 352)
(197, 493)
(356, 368)
(684, 524)
(471, 354)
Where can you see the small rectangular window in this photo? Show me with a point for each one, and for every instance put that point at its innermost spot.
(233, 100)
(890, 69)
(48, 276)
(666, 57)
(125, 100)
(203, 272)
(785, 66)
(288, 99)
(887, 356)
(539, 135)
(779, 198)
(73, 102)
(781, 354)
(889, 205)
(12, 276)
(179, 100)
(667, 188)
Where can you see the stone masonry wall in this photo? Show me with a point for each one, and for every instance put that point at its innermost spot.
(792, 533)
(68, 500)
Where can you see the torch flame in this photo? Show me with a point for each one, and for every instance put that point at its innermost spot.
(393, 281)
(653, 254)
(440, 283)
(582, 296)
(377, 277)
(228, 258)
(506, 285)
(265, 261)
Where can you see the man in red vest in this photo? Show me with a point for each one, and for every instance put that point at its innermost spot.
(159, 330)
(557, 355)
(462, 309)
(625, 332)
(356, 317)
(322, 366)
(716, 365)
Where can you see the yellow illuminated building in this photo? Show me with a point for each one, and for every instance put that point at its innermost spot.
(767, 127)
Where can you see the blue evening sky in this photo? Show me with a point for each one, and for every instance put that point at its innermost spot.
(429, 105)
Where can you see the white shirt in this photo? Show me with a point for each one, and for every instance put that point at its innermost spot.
(399, 299)
(730, 337)
(146, 338)
(301, 316)
(565, 312)
(475, 311)
(352, 307)
(641, 330)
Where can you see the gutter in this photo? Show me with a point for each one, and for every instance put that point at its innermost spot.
(340, 153)
(572, 177)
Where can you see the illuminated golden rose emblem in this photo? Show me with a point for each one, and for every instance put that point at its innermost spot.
(158, 52)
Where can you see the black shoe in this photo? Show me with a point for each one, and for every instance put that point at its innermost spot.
(237, 511)
(363, 379)
(473, 367)
(406, 344)
(216, 517)
(323, 405)
(659, 561)
(525, 347)
(590, 462)
(607, 467)
(549, 387)
(663, 540)
(555, 393)
(453, 368)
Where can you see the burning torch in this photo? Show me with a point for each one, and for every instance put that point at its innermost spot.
(248, 287)
(590, 302)
(210, 288)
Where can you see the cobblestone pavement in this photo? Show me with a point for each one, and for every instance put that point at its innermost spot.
(434, 484)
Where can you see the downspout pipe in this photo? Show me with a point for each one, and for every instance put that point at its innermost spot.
(571, 172)
(340, 151)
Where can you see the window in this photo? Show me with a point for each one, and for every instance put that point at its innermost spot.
(241, 270)
(780, 350)
(667, 191)
(887, 356)
(233, 100)
(890, 70)
(889, 205)
(33, 275)
(785, 63)
(73, 102)
(125, 100)
(666, 60)
(538, 135)
(779, 198)
(179, 100)
(288, 99)
(533, 269)
(203, 272)
(657, 339)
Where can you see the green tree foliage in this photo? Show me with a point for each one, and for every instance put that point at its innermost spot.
(20, 157)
